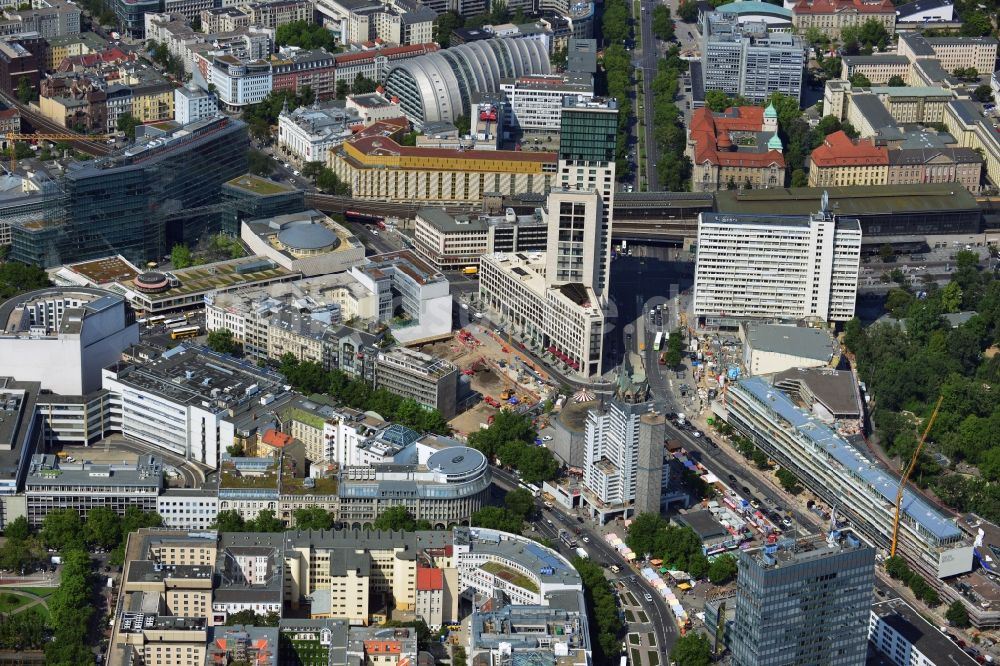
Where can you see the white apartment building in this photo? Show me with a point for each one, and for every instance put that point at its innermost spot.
(239, 84)
(188, 508)
(192, 104)
(953, 52)
(454, 242)
(307, 133)
(565, 321)
(776, 267)
(623, 459)
(549, 298)
(188, 401)
(535, 101)
(902, 635)
(838, 473)
(62, 337)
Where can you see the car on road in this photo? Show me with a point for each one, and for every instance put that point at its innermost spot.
(547, 438)
(786, 521)
(732, 479)
(549, 521)
(754, 502)
(746, 491)
(648, 597)
(615, 568)
(548, 505)
(696, 434)
(586, 539)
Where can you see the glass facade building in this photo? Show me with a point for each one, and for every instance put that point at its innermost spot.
(249, 197)
(140, 203)
(803, 602)
(589, 130)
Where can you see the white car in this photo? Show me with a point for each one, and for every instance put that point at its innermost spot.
(696, 434)
(477, 315)
(547, 438)
(374, 232)
(648, 597)
(296, 173)
(586, 539)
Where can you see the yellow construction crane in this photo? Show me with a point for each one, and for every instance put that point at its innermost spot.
(13, 137)
(906, 475)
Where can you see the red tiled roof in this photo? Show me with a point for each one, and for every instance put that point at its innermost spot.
(276, 438)
(413, 49)
(837, 6)
(710, 132)
(839, 150)
(429, 578)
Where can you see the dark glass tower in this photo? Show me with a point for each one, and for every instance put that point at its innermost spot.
(804, 602)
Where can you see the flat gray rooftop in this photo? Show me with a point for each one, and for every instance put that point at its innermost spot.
(800, 341)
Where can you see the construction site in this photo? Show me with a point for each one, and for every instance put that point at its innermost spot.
(505, 377)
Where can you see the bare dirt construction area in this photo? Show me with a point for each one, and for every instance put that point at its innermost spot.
(495, 369)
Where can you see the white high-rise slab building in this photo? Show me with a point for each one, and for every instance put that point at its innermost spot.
(777, 267)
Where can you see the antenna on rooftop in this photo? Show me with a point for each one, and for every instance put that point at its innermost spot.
(824, 202)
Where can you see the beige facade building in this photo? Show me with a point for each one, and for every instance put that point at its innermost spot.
(905, 104)
(830, 17)
(841, 161)
(878, 69)
(952, 52)
(375, 166)
(971, 130)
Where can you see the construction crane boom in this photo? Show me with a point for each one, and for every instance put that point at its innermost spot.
(907, 472)
(12, 137)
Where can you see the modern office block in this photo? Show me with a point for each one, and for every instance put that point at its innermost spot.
(745, 59)
(773, 267)
(249, 197)
(841, 475)
(161, 191)
(804, 603)
(431, 382)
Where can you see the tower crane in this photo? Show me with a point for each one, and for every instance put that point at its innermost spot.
(13, 137)
(906, 475)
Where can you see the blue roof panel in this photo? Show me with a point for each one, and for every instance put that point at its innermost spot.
(883, 481)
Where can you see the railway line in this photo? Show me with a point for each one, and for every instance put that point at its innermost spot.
(40, 123)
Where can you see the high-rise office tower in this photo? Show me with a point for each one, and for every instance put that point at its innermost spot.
(804, 602)
(587, 139)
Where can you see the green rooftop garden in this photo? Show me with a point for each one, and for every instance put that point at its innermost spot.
(258, 185)
(509, 575)
(303, 416)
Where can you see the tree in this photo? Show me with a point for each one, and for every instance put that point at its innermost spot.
(312, 518)
(266, 522)
(127, 124)
(394, 518)
(800, 178)
(495, 518)
(180, 256)
(788, 481)
(957, 615)
(25, 92)
(559, 58)
(260, 163)
(18, 529)
(506, 427)
(896, 81)
(663, 23)
(306, 35)
(687, 11)
(691, 650)
(343, 89)
(859, 80)
(462, 124)
(221, 340)
(103, 527)
(722, 569)
(886, 253)
(951, 297)
(717, 101)
(983, 93)
(759, 459)
(62, 528)
(15, 555)
(976, 24)
(444, 24)
(363, 85)
(520, 502)
(229, 520)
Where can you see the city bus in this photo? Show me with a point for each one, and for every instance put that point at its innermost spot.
(185, 332)
(530, 487)
(174, 323)
(658, 342)
(153, 321)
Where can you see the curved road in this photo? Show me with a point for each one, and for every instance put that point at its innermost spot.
(602, 553)
(192, 473)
